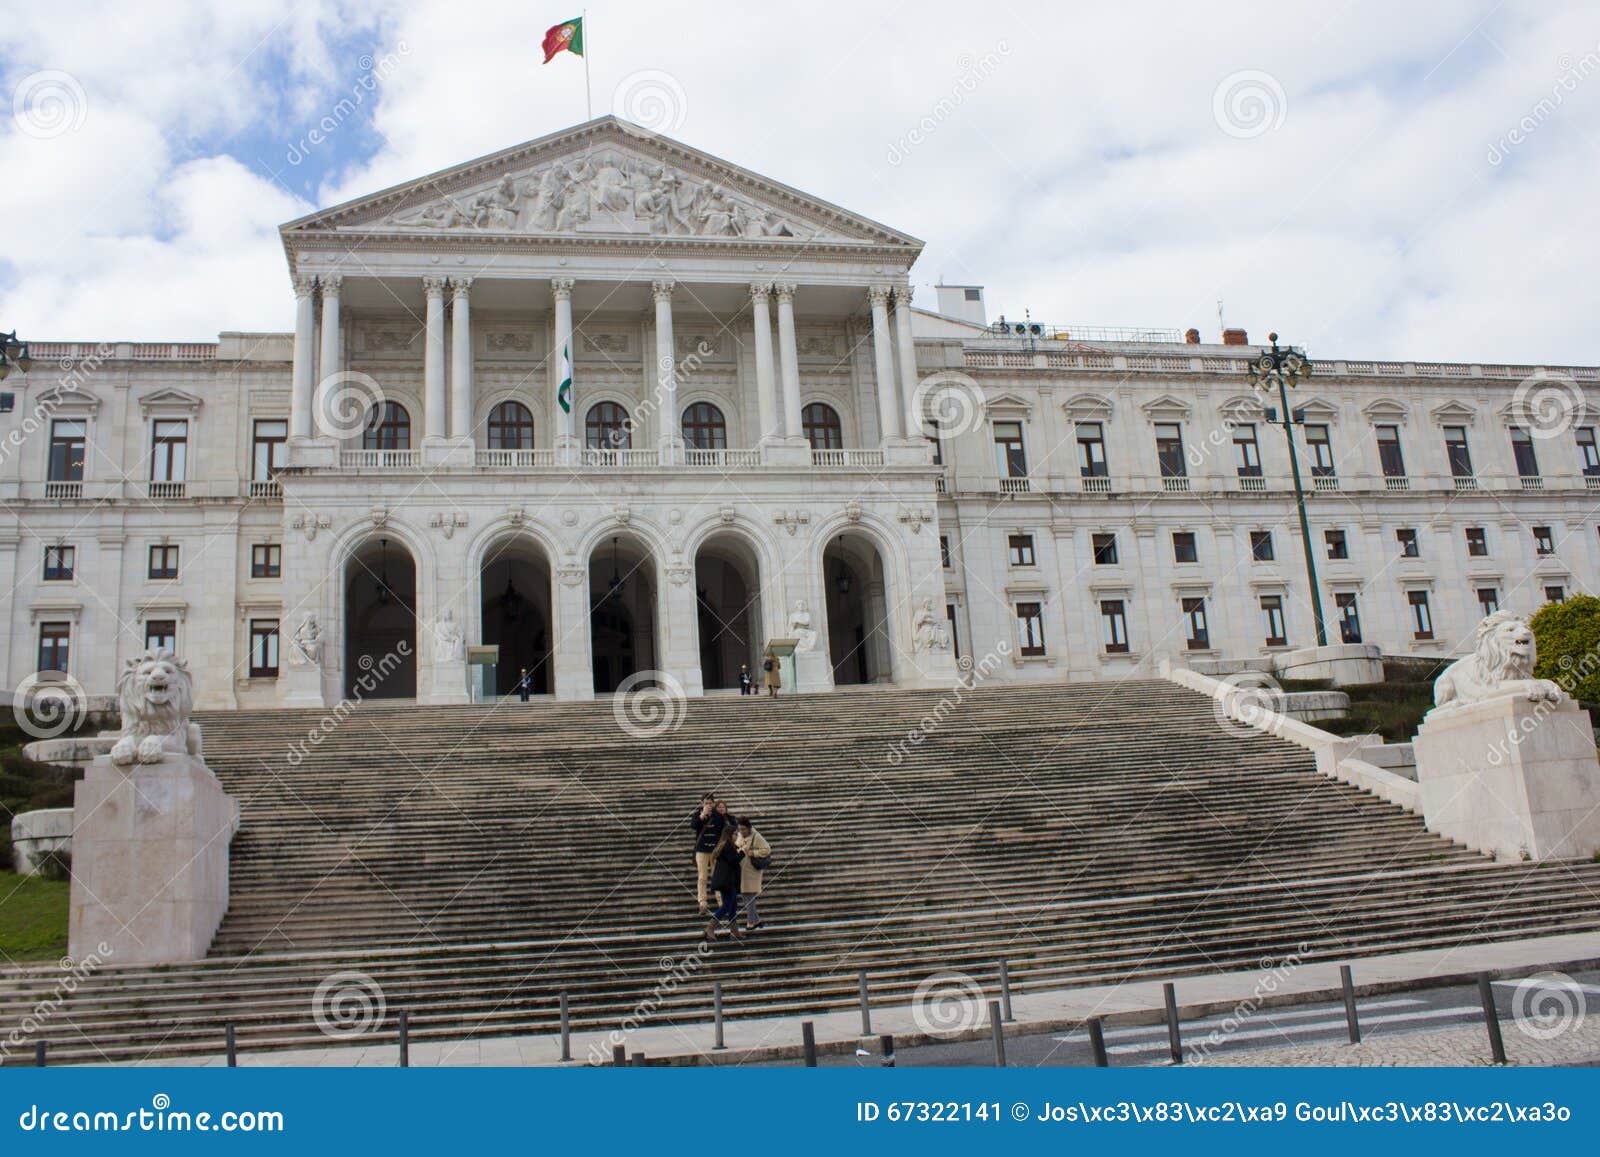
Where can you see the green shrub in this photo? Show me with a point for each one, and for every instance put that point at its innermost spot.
(1568, 634)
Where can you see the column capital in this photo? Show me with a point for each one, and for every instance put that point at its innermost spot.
(662, 289)
(562, 288)
(460, 286)
(434, 286)
(304, 286)
(330, 284)
(785, 291)
(760, 290)
(902, 295)
(878, 295)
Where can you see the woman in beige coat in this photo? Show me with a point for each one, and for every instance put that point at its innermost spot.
(757, 854)
(772, 677)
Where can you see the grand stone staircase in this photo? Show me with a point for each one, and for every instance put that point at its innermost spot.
(474, 862)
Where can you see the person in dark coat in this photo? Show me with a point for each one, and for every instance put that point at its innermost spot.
(725, 878)
(708, 821)
(524, 684)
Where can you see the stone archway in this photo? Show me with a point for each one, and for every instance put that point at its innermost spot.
(727, 577)
(623, 590)
(515, 613)
(854, 578)
(380, 621)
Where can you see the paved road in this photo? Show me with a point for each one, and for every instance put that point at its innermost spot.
(1269, 1028)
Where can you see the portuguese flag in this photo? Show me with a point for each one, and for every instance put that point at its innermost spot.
(564, 391)
(568, 35)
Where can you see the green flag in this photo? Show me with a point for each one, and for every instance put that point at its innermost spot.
(564, 390)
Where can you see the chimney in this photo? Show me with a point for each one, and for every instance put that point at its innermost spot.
(1191, 336)
(1235, 337)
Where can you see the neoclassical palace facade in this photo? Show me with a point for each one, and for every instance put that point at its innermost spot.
(603, 408)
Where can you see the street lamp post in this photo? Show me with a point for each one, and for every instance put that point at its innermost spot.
(1285, 366)
(13, 353)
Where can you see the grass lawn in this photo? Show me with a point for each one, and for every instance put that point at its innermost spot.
(33, 917)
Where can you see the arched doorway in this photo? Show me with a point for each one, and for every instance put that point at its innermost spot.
(380, 621)
(858, 612)
(514, 613)
(727, 578)
(622, 610)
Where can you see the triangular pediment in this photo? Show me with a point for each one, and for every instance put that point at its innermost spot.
(605, 179)
(170, 398)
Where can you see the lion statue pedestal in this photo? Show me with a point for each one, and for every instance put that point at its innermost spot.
(151, 829)
(1506, 762)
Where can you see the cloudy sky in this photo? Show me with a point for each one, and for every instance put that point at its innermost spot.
(1371, 179)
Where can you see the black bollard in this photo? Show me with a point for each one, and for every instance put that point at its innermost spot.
(233, 1055)
(886, 1047)
(38, 1052)
(808, 1042)
(1491, 1019)
(866, 1006)
(405, 1038)
(1097, 1043)
(1005, 990)
(566, 1029)
(998, 1031)
(716, 1014)
(1174, 1035)
(1347, 983)
(638, 1060)
(619, 1056)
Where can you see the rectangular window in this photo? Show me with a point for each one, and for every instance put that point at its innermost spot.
(944, 551)
(1407, 538)
(1194, 624)
(1030, 628)
(1522, 450)
(955, 637)
(1091, 450)
(55, 646)
(1021, 549)
(1456, 451)
(263, 648)
(59, 563)
(1320, 450)
(267, 453)
(1488, 601)
(163, 562)
(68, 440)
(169, 450)
(1421, 615)
(1010, 459)
(1477, 542)
(1588, 452)
(1338, 545)
(1105, 550)
(161, 635)
(1349, 617)
(1543, 541)
(1261, 548)
(1272, 617)
(1389, 457)
(266, 560)
(1183, 547)
(1114, 626)
(1246, 454)
(1169, 450)
(1555, 594)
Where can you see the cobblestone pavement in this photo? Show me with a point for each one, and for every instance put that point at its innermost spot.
(1577, 1043)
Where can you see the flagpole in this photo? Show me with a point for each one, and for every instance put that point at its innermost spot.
(588, 94)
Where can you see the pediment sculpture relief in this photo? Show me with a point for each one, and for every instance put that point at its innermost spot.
(603, 193)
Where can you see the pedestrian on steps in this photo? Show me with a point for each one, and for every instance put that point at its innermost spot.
(725, 871)
(757, 855)
(771, 676)
(747, 685)
(524, 684)
(708, 822)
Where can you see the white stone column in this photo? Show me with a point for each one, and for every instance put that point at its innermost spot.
(680, 631)
(461, 359)
(304, 336)
(571, 657)
(766, 386)
(563, 422)
(788, 362)
(330, 341)
(668, 436)
(433, 399)
(883, 363)
(906, 354)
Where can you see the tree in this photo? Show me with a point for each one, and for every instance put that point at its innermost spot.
(1568, 636)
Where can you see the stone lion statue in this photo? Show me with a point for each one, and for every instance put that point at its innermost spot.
(156, 695)
(1501, 665)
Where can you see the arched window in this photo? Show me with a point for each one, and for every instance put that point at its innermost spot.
(388, 428)
(607, 427)
(704, 428)
(510, 427)
(820, 422)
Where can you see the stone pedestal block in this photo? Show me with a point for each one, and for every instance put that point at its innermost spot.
(149, 860)
(1342, 664)
(1512, 777)
(301, 686)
